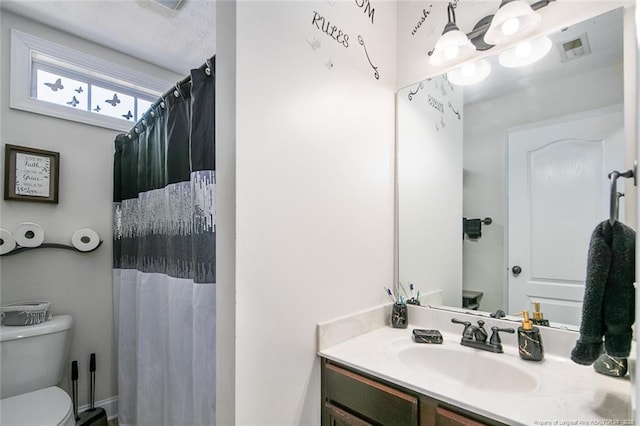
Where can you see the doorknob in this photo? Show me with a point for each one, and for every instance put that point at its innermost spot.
(516, 270)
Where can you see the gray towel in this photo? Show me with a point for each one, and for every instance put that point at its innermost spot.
(609, 298)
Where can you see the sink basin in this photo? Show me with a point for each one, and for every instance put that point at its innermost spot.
(466, 367)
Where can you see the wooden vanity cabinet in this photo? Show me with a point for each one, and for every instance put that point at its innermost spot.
(352, 398)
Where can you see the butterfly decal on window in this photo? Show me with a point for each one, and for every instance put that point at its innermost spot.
(73, 102)
(115, 101)
(55, 86)
(97, 108)
(79, 89)
(128, 115)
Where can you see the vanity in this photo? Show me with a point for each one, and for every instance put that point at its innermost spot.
(384, 377)
(350, 397)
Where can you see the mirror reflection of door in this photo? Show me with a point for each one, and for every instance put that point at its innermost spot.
(558, 192)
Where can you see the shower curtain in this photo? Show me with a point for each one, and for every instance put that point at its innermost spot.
(164, 259)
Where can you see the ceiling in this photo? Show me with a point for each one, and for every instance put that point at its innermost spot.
(183, 39)
(177, 40)
(605, 37)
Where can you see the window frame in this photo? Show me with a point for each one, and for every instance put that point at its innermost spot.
(23, 48)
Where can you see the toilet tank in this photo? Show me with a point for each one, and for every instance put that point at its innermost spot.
(34, 357)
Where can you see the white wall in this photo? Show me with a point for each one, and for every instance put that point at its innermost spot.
(485, 127)
(74, 283)
(429, 161)
(314, 170)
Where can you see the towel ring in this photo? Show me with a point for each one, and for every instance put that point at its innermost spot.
(614, 199)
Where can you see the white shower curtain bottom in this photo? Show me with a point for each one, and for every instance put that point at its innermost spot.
(165, 339)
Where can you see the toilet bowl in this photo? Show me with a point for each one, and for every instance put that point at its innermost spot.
(32, 361)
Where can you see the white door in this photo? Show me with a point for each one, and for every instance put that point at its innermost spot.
(558, 191)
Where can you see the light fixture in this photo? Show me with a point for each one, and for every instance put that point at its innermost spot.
(525, 53)
(471, 72)
(513, 20)
(453, 45)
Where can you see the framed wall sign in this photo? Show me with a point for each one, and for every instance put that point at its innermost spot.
(31, 174)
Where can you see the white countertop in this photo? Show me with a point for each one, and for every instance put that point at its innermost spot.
(563, 392)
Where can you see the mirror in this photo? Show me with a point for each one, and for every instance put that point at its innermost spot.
(454, 148)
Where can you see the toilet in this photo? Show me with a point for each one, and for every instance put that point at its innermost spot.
(33, 360)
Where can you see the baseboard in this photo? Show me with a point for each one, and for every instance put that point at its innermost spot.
(110, 405)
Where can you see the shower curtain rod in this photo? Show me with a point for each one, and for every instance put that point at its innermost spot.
(209, 66)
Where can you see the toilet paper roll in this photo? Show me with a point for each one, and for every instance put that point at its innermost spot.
(85, 239)
(28, 234)
(7, 242)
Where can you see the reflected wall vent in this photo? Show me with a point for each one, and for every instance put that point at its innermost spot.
(575, 48)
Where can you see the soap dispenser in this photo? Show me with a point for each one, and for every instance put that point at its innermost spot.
(529, 340)
(538, 318)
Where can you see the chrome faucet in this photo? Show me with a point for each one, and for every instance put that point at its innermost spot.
(476, 336)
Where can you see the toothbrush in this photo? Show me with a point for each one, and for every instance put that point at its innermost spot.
(390, 294)
(411, 289)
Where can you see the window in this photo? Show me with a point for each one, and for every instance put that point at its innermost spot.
(50, 79)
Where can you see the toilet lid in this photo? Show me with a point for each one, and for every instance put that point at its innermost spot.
(45, 407)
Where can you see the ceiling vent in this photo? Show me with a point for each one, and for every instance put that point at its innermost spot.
(575, 48)
(170, 4)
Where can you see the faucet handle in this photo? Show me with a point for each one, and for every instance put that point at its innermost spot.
(467, 332)
(495, 336)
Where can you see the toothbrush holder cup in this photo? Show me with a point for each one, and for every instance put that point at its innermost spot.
(399, 317)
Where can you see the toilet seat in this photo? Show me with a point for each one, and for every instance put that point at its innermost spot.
(45, 407)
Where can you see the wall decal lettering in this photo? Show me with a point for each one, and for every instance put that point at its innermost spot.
(445, 79)
(411, 94)
(376, 74)
(366, 5)
(425, 15)
(436, 104)
(454, 111)
(332, 31)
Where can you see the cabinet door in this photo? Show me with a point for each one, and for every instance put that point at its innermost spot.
(339, 417)
(368, 399)
(445, 417)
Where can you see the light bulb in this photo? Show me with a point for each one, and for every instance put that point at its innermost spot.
(523, 49)
(471, 72)
(510, 26)
(468, 69)
(451, 51)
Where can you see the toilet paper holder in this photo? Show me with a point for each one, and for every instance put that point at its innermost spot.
(49, 245)
(84, 247)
